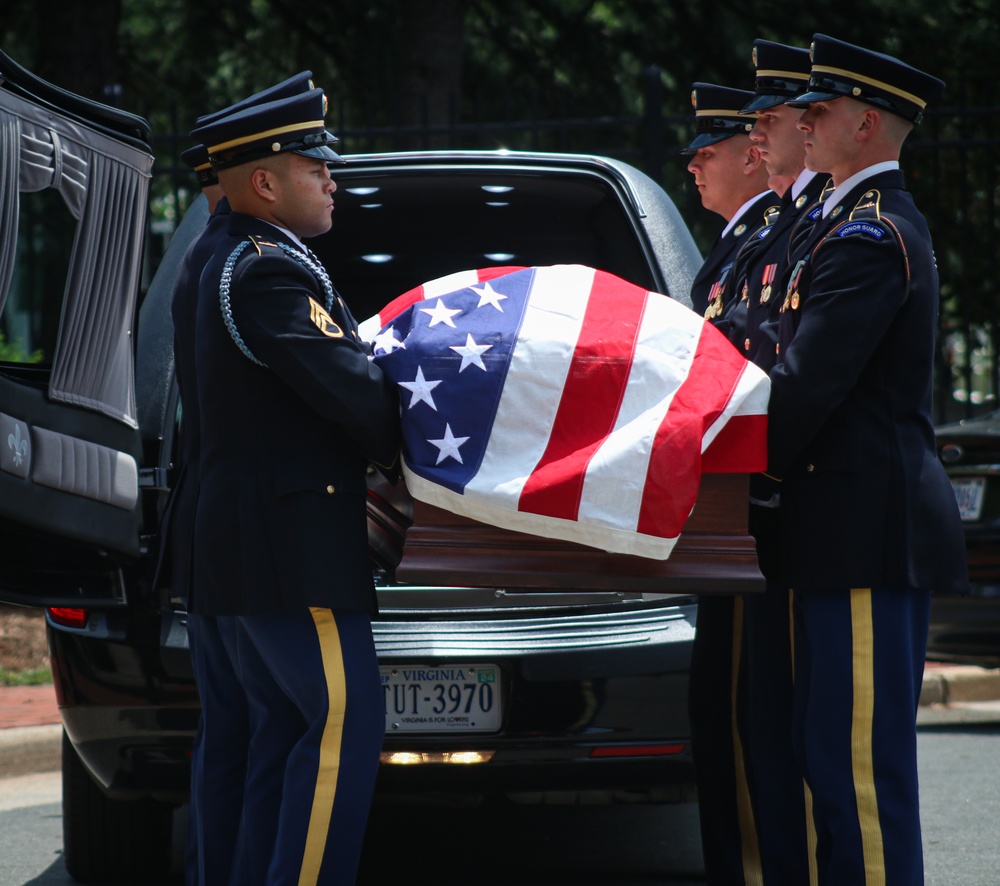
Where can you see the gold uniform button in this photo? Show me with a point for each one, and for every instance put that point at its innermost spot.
(331, 489)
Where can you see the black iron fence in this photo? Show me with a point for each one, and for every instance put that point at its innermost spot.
(951, 163)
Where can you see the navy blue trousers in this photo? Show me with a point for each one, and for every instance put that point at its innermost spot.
(316, 711)
(717, 703)
(784, 828)
(835, 681)
(218, 762)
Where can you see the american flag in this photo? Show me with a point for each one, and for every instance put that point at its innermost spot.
(565, 402)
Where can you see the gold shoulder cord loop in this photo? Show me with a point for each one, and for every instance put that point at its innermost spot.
(870, 200)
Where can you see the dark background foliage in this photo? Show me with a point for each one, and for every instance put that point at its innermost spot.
(445, 73)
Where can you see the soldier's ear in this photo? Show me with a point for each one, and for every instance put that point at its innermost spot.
(262, 181)
(753, 159)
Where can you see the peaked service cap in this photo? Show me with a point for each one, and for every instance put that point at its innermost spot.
(197, 158)
(842, 69)
(782, 72)
(294, 85)
(717, 114)
(288, 125)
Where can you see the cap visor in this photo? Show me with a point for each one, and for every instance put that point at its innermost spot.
(762, 102)
(706, 139)
(803, 101)
(321, 152)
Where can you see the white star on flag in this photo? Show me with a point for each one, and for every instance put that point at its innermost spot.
(421, 389)
(387, 341)
(448, 446)
(469, 352)
(440, 314)
(489, 296)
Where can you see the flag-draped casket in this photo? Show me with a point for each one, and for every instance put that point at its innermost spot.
(565, 428)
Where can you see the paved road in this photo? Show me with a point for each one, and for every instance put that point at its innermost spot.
(530, 846)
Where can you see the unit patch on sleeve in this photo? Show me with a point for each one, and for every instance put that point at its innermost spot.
(860, 227)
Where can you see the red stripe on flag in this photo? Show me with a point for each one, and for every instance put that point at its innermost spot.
(674, 472)
(739, 448)
(591, 397)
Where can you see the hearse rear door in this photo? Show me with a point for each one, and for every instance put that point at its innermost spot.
(74, 180)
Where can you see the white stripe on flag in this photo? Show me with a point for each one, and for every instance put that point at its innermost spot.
(615, 479)
(749, 397)
(535, 378)
(602, 538)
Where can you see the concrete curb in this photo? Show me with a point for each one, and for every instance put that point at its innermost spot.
(27, 749)
(957, 684)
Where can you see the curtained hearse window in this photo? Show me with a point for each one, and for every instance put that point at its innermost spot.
(73, 206)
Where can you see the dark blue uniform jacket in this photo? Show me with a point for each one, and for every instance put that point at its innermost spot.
(179, 516)
(715, 267)
(750, 321)
(281, 518)
(864, 500)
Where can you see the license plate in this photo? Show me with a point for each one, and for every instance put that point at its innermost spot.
(458, 698)
(970, 493)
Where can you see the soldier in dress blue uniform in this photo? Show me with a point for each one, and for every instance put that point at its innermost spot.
(782, 72)
(292, 413)
(868, 526)
(217, 774)
(218, 770)
(732, 181)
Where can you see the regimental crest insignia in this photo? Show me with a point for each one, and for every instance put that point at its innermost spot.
(324, 322)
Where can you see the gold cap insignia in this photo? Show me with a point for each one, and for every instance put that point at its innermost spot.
(694, 98)
(753, 56)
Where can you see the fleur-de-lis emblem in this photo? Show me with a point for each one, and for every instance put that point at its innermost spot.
(18, 444)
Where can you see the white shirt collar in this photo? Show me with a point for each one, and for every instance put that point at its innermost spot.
(799, 185)
(739, 212)
(290, 236)
(846, 186)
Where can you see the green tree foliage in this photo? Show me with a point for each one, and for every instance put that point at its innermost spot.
(390, 63)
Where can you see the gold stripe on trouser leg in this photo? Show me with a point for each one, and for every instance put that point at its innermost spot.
(810, 821)
(329, 748)
(752, 871)
(862, 761)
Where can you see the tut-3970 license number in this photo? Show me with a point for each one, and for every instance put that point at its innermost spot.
(453, 698)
